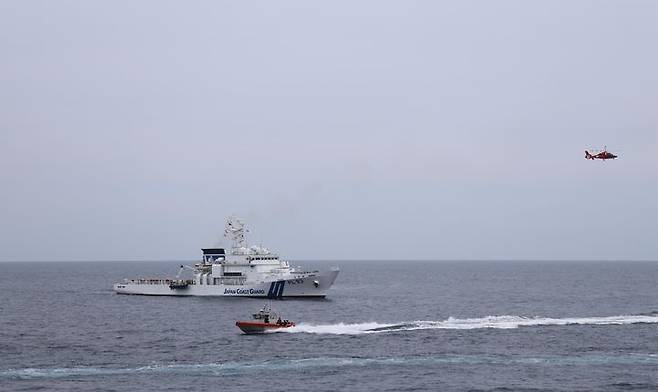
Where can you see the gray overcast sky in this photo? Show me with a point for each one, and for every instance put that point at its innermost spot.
(339, 130)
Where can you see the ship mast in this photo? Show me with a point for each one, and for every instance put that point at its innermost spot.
(235, 230)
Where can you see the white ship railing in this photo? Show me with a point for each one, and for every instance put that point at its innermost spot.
(157, 281)
(232, 280)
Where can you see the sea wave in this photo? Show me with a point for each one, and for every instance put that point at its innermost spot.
(228, 368)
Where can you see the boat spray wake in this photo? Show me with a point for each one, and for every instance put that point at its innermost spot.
(491, 322)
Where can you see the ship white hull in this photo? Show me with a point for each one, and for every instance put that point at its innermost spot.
(310, 286)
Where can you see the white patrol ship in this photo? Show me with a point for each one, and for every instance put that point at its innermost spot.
(242, 272)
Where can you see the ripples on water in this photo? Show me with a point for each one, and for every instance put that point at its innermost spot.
(469, 326)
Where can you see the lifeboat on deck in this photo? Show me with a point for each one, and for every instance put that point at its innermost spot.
(264, 321)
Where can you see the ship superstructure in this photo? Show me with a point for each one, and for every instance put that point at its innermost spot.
(245, 271)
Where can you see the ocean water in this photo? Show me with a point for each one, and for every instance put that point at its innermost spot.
(385, 326)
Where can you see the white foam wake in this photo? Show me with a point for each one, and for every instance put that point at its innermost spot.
(495, 322)
(339, 329)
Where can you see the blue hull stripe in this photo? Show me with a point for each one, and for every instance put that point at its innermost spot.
(276, 289)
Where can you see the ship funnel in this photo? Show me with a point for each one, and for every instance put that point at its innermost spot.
(213, 255)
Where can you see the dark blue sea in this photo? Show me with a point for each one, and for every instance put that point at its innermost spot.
(385, 326)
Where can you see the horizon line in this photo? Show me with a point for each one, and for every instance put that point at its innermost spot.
(333, 260)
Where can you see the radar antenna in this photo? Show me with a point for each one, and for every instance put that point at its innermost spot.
(235, 230)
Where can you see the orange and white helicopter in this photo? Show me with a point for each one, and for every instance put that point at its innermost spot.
(600, 154)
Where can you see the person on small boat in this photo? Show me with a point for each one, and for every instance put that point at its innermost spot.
(261, 322)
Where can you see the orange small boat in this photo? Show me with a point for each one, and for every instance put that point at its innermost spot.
(263, 321)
